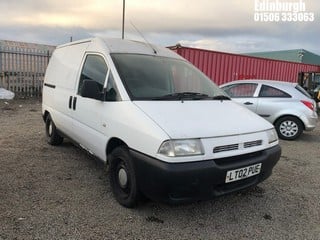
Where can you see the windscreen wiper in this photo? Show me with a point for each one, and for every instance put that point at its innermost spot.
(221, 97)
(182, 96)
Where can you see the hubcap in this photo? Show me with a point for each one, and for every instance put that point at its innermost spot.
(289, 128)
(123, 178)
(50, 129)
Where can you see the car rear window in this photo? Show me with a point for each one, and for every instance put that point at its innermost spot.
(268, 91)
(303, 91)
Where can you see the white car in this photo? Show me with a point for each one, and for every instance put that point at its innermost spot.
(165, 129)
(286, 105)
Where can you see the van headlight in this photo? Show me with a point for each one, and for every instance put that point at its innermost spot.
(181, 148)
(272, 135)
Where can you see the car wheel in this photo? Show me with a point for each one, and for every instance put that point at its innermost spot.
(53, 137)
(289, 128)
(122, 177)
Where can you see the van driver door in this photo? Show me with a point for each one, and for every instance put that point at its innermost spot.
(87, 121)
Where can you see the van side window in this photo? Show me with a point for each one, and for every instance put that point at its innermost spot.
(95, 69)
(112, 93)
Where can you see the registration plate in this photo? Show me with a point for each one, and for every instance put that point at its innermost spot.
(242, 173)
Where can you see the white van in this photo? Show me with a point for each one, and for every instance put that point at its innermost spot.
(166, 131)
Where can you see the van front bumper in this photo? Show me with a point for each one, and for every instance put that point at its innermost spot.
(202, 180)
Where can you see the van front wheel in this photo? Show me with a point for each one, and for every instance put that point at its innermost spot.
(53, 137)
(122, 177)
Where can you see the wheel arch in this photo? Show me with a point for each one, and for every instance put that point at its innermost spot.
(45, 115)
(289, 115)
(113, 143)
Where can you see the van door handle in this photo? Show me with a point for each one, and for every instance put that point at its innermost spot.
(74, 103)
(70, 102)
(248, 103)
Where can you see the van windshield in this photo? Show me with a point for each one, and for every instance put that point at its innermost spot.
(149, 77)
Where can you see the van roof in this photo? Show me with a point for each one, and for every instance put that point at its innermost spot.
(114, 45)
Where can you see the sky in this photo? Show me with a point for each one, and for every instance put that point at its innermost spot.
(221, 25)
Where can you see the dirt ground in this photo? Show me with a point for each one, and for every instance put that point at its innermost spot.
(61, 192)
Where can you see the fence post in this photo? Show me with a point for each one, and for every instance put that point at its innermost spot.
(1, 74)
(8, 80)
(48, 57)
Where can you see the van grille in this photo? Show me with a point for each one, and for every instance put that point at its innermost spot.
(236, 146)
(226, 148)
(252, 144)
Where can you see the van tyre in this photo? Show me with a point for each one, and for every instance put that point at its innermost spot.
(122, 177)
(289, 128)
(53, 137)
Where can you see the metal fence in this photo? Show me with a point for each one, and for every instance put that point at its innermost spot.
(22, 70)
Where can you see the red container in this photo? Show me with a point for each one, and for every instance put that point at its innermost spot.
(225, 67)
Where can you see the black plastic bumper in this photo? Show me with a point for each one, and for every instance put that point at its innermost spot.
(186, 182)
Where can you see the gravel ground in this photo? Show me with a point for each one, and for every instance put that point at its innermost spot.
(61, 192)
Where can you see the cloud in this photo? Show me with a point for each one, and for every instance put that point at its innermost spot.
(43, 35)
(226, 25)
(88, 14)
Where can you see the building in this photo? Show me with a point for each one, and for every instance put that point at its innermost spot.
(23, 66)
(295, 55)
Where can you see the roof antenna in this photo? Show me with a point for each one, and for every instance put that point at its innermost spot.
(154, 50)
(123, 16)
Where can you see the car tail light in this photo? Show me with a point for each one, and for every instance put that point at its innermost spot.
(308, 104)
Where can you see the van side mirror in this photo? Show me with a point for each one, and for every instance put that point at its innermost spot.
(91, 89)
